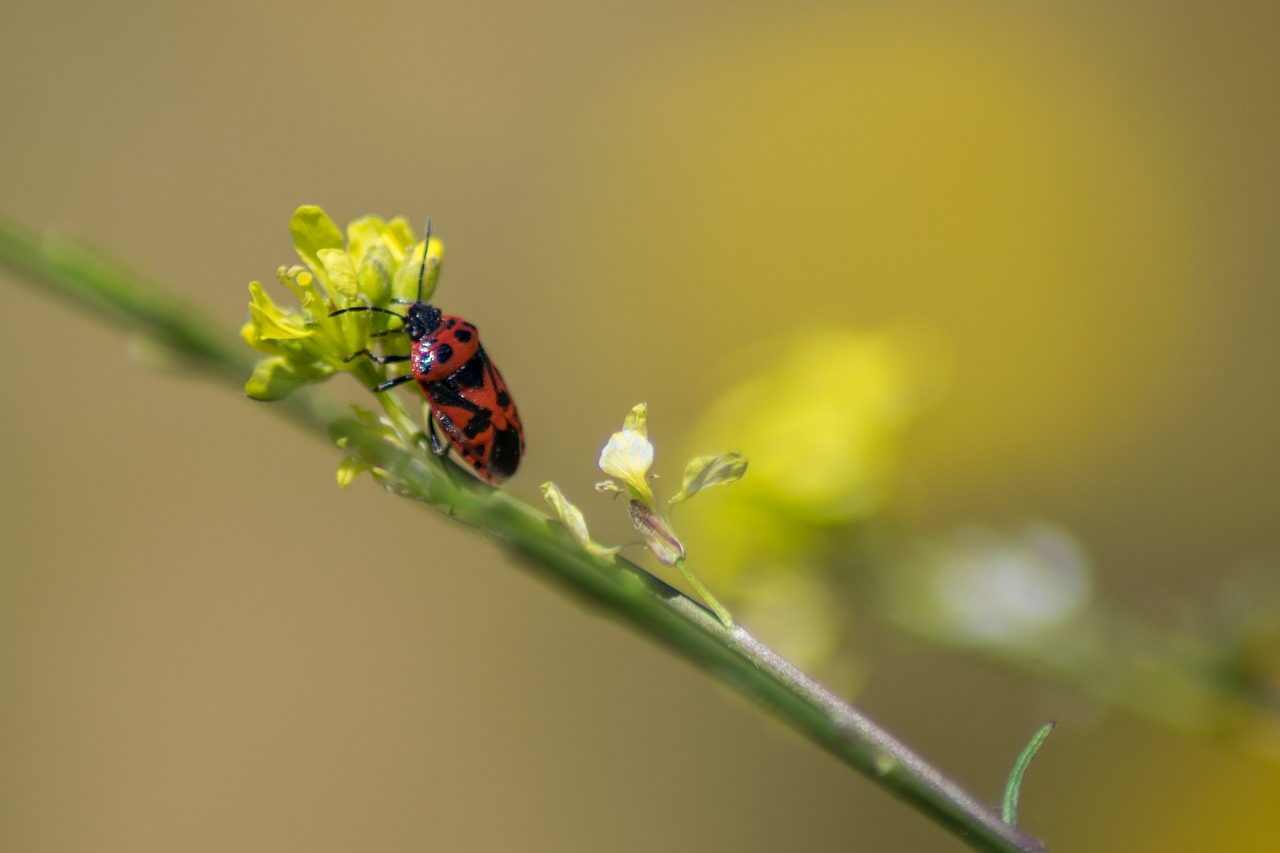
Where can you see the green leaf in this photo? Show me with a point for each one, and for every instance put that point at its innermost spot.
(707, 471)
(313, 230)
(1013, 788)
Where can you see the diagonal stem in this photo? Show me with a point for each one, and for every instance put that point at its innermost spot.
(624, 591)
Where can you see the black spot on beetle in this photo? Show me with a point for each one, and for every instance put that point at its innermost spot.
(505, 456)
(479, 423)
(471, 374)
(444, 352)
(504, 399)
(463, 335)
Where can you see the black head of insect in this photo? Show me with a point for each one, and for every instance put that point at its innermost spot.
(421, 320)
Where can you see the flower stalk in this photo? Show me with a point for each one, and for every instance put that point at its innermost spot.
(705, 594)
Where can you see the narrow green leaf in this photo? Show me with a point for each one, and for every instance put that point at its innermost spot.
(1009, 811)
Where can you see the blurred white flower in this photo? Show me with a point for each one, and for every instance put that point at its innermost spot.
(991, 589)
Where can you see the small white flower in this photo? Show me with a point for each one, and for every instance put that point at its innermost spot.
(628, 455)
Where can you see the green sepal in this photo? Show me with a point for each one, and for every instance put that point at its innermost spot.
(657, 535)
(365, 420)
(350, 468)
(274, 378)
(571, 517)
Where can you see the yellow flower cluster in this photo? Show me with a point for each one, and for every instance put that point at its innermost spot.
(375, 263)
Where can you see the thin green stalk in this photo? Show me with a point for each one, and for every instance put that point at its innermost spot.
(619, 587)
(705, 594)
(1013, 788)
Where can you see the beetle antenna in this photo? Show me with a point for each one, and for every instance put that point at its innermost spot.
(426, 245)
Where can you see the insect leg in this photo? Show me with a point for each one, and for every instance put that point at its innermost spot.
(391, 383)
(366, 308)
(437, 447)
(376, 359)
(440, 449)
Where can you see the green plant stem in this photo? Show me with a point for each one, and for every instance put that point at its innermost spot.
(620, 588)
(705, 594)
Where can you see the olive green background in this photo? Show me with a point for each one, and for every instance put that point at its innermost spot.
(205, 645)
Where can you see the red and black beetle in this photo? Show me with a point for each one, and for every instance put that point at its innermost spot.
(469, 399)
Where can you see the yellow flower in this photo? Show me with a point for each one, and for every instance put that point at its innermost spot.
(375, 262)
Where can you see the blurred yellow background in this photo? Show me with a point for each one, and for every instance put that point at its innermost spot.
(640, 202)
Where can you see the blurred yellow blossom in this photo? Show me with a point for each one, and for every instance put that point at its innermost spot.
(822, 426)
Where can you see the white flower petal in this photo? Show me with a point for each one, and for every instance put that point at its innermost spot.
(627, 457)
